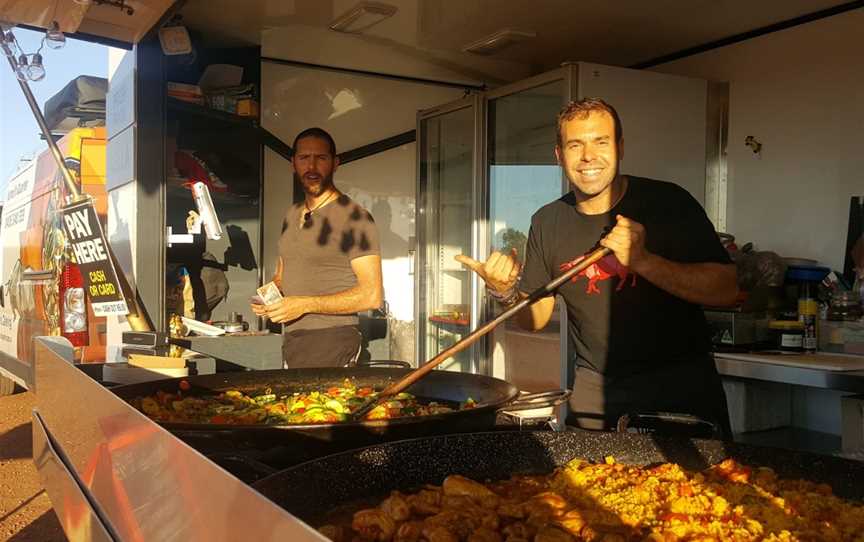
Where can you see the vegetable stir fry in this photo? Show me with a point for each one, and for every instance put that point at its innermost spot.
(237, 408)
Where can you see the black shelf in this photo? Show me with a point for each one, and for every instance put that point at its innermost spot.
(211, 114)
(262, 135)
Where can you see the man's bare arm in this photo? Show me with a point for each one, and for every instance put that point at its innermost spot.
(711, 284)
(536, 315)
(500, 273)
(707, 283)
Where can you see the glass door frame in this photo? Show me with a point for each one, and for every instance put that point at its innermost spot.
(475, 103)
(568, 73)
(481, 232)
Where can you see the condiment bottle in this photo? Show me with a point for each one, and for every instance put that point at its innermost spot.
(808, 311)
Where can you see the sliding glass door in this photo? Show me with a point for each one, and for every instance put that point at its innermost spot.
(522, 176)
(447, 194)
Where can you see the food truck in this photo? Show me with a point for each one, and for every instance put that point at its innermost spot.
(43, 290)
(436, 135)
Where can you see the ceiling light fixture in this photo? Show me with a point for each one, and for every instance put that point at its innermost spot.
(26, 66)
(21, 68)
(498, 41)
(36, 71)
(362, 17)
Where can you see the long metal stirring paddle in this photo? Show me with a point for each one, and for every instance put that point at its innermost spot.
(461, 345)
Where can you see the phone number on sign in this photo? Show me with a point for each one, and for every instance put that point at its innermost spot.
(105, 309)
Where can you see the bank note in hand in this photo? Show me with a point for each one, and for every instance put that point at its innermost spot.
(269, 293)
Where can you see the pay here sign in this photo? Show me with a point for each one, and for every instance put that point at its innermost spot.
(84, 233)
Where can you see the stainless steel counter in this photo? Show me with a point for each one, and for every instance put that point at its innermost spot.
(850, 381)
(113, 474)
(259, 352)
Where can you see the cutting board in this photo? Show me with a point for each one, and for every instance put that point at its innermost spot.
(156, 362)
(823, 361)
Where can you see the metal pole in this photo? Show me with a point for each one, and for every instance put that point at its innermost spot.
(137, 316)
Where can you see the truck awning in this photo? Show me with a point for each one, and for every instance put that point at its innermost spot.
(91, 22)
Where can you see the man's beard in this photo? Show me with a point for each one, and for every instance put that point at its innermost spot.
(314, 187)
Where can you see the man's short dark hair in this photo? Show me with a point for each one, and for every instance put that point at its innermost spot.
(320, 133)
(582, 108)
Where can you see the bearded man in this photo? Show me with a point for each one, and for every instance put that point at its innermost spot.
(329, 266)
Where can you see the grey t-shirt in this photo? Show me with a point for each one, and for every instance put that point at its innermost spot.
(317, 255)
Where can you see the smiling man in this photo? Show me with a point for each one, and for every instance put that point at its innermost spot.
(329, 266)
(640, 339)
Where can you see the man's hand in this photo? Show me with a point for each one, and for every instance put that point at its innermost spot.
(706, 283)
(627, 241)
(287, 310)
(499, 272)
(259, 309)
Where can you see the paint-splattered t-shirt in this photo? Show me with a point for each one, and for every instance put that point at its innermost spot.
(317, 254)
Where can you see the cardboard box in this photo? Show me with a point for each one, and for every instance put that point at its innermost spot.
(156, 362)
(123, 373)
(247, 107)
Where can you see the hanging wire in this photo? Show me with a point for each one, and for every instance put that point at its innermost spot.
(17, 45)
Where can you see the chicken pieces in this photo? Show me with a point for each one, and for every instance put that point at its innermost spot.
(612, 502)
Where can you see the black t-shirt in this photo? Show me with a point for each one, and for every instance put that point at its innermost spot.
(620, 323)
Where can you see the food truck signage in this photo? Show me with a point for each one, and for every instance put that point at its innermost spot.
(84, 234)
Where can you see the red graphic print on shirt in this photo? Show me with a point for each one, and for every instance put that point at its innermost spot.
(603, 269)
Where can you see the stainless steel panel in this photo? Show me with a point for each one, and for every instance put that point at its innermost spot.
(148, 484)
(16, 370)
(258, 352)
(851, 381)
(77, 517)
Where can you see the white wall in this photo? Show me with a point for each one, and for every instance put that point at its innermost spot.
(356, 110)
(383, 184)
(278, 195)
(800, 92)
